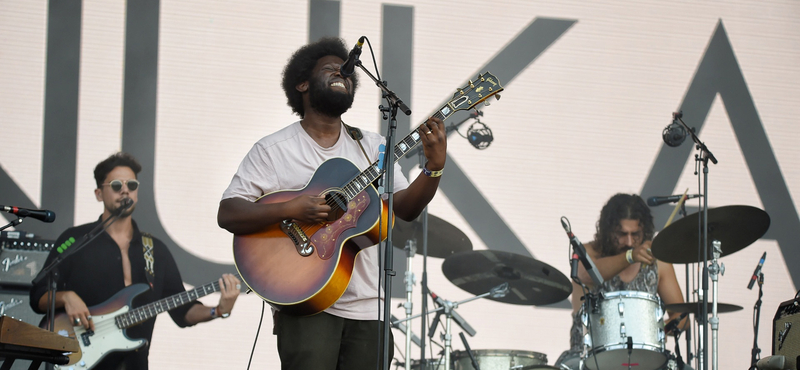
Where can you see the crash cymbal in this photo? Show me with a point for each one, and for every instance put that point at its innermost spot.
(531, 282)
(444, 239)
(695, 307)
(735, 226)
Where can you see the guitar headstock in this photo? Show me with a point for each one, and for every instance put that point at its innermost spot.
(474, 93)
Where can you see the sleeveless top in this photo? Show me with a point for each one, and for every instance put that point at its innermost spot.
(644, 281)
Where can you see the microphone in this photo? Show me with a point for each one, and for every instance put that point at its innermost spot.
(125, 204)
(480, 138)
(41, 215)
(580, 250)
(469, 352)
(657, 201)
(674, 134)
(757, 271)
(673, 325)
(349, 66)
(404, 329)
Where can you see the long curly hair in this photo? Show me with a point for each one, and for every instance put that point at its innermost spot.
(621, 207)
(301, 64)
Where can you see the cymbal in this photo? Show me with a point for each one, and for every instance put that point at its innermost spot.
(735, 227)
(695, 307)
(444, 239)
(531, 282)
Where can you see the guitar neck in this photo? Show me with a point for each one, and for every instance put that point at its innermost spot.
(150, 310)
(374, 171)
(467, 97)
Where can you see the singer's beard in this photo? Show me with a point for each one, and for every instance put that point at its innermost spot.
(126, 213)
(326, 101)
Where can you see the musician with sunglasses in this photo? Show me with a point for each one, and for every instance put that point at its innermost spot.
(120, 256)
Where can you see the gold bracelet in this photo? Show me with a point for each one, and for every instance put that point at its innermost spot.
(629, 256)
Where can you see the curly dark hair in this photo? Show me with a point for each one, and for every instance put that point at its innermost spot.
(621, 207)
(115, 160)
(301, 64)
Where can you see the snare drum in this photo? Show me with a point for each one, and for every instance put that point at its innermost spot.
(625, 322)
(499, 359)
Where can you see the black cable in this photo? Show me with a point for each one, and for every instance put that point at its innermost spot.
(260, 321)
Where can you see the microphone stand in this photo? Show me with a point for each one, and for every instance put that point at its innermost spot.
(755, 355)
(388, 179)
(12, 223)
(51, 271)
(705, 156)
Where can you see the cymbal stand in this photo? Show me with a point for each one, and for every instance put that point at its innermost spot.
(713, 272)
(448, 308)
(704, 156)
(410, 249)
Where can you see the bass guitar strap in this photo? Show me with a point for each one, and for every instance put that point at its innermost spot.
(149, 258)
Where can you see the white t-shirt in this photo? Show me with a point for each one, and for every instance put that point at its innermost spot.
(286, 160)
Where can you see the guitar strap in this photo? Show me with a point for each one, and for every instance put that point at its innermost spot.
(149, 259)
(355, 134)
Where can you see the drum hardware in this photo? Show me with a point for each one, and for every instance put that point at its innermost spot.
(410, 249)
(532, 282)
(714, 271)
(448, 309)
(447, 241)
(736, 227)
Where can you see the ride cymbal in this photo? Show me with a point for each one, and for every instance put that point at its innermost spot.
(445, 241)
(531, 282)
(735, 227)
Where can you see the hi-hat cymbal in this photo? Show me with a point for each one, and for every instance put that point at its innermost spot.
(735, 227)
(444, 239)
(531, 282)
(695, 307)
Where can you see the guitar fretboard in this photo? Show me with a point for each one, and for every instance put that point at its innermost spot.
(150, 310)
(374, 171)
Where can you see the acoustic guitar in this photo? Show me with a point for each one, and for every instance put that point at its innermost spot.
(301, 268)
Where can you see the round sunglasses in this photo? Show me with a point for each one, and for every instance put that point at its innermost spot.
(116, 185)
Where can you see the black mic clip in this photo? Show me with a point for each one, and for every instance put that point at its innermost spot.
(479, 137)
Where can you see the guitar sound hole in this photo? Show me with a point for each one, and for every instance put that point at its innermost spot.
(338, 203)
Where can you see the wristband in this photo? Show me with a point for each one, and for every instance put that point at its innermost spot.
(430, 173)
(629, 256)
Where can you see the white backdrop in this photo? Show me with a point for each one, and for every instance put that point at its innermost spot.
(581, 123)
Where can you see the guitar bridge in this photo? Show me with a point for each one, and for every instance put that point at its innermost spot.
(298, 237)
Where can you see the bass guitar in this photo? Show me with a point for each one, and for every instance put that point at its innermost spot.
(302, 269)
(113, 317)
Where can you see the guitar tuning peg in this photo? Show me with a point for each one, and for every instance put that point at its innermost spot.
(487, 102)
(471, 84)
(497, 96)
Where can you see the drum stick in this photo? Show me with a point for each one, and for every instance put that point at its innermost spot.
(677, 207)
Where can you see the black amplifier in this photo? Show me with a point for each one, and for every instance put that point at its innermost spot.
(22, 256)
(786, 332)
